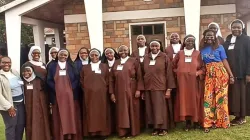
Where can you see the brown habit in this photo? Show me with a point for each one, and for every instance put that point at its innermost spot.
(66, 110)
(188, 95)
(111, 109)
(170, 52)
(37, 113)
(96, 97)
(157, 79)
(142, 102)
(124, 83)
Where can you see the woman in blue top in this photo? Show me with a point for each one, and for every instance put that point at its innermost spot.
(216, 82)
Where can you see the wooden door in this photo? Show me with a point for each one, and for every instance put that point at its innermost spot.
(150, 31)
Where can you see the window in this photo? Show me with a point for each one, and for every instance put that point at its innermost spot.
(158, 29)
(148, 29)
(137, 30)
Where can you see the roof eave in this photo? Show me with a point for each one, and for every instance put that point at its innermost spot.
(11, 5)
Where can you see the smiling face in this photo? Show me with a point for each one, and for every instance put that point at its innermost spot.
(189, 43)
(36, 55)
(210, 38)
(94, 56)
(236, 29)
(174, 39)
(123, 51)
(6, 64)
(27, 73)
(109, 54)
(141, 41)
(154, 47)
(83, 53)
(63, 56)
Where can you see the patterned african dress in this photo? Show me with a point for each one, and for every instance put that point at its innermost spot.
(216, 88)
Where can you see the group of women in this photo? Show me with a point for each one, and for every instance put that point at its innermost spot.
(100, 94)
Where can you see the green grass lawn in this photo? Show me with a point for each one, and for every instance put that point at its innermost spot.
(233, 133)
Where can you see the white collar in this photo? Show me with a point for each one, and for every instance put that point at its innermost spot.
(155, 55)
(95, 66)
(111, 63)
(124, 60)
(233, 39)
(62, 65)
(188, 52)
(176, 47)
(142, 50)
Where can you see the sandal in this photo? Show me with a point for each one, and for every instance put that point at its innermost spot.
(244, 121)
(163, 133)
(155, 132)
(206, 130)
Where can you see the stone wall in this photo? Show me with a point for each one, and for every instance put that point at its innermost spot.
(223, 20)
(131, 5)
(77, 36)
(75, 7)
(216, 2)
(116, 33)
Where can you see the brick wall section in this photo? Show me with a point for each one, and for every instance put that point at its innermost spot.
(74, 7)
(223, 20)
(77, 6)
(77, 36)
(116, 33)
(131, 5)
(243, 7)
(216, 2)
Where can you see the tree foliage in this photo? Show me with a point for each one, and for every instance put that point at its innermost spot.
(26, 33)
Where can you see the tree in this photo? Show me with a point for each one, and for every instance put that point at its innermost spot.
(26, 33)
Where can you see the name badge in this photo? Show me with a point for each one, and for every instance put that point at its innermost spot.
(85, 63)
(119, 67)
(152, 62)
(98, 71)
(62, 72)
(231, 47)
(188, 59)
(20, 82)
(174, 55)
(43, 67)
(141, 59)
(30, 86)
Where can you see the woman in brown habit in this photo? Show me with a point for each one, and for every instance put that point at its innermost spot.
(125, 85)
(188, 66)
(158, 82)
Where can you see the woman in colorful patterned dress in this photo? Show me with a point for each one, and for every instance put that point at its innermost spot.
(216, 82)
